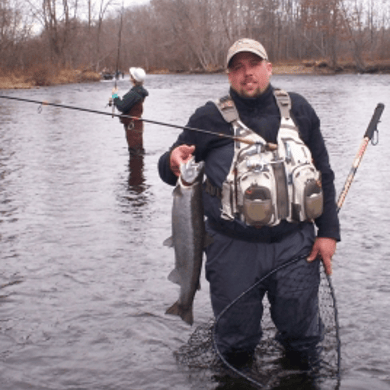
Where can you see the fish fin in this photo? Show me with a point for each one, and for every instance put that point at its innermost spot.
(185, 314)
(174, 277)
(168, 242)
(207, 240)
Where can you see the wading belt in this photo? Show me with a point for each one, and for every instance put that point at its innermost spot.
(212, 190)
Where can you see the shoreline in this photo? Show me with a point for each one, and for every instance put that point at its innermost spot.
(42, 78)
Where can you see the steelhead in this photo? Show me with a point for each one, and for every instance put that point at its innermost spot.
(188, 237)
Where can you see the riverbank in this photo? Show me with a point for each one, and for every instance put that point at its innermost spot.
(44, 76)
(323, 67)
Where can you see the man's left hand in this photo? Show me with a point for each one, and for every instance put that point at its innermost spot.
(114, 93)
(323, 248)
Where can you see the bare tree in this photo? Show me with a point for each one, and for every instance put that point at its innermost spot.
(103, 7)
(191, 35)
(354, 27)
(15, 30)
(322, 23)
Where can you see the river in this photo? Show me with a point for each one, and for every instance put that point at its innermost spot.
(83, 277)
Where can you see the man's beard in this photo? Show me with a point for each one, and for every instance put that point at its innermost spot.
(250, 94)
(253, 93)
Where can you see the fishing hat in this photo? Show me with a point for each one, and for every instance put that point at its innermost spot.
(138, 74)
(246, 45)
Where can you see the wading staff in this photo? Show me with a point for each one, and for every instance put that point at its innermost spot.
(368, 135)
(45, 103)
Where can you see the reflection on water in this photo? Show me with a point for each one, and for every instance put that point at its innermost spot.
(83, 282)
(136, 173)
(135, 198)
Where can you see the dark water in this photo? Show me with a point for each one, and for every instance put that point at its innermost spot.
(83, 286)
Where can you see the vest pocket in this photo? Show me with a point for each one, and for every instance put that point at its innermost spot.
(258, 209)
(313, 199)
(307, 193)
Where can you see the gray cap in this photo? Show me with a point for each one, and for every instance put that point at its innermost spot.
(246, 45)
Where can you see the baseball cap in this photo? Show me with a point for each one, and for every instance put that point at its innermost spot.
(246, 45)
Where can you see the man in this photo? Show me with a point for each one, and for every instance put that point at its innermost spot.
(250, 238)
(132, 104)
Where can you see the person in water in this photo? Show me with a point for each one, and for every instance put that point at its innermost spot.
(132, 104)
(250, 238)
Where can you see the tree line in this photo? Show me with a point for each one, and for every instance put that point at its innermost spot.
(188, 35)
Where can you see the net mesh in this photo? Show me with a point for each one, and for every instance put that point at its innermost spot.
(269, 367)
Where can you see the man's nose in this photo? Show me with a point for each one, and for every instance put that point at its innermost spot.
(248, 70)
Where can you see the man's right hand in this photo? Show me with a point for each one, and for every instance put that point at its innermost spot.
(180, 155)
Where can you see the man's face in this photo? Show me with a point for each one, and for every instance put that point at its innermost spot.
(249, 75)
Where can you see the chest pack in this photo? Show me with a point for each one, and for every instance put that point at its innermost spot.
(268, 183)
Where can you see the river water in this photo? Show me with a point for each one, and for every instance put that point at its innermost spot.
(83, 276)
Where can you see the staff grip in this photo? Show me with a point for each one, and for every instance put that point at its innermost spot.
(374, 121)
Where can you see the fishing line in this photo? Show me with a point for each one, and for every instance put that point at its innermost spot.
(245, 294)
(45, 103)
(268, 370)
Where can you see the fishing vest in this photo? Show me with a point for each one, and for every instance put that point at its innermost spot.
(268, 183)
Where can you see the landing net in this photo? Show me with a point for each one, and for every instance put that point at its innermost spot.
(270, 368)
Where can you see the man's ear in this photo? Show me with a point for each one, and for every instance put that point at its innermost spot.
(269, 68)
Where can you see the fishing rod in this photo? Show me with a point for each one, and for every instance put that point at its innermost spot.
(45, 103)
(117, 57)
(368, 135)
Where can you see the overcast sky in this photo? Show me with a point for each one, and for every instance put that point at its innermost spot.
(127, 3)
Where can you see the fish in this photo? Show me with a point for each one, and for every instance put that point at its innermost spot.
(188, 237)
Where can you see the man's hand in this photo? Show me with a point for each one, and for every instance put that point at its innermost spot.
(323, 248)
(114, 90)
(180, 155)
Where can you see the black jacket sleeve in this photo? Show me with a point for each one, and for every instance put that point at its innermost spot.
(135, 95)
(164, 170)
(205, 118)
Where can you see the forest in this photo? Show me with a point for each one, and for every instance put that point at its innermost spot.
(190, 35)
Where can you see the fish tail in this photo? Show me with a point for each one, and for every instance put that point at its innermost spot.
(185, 313)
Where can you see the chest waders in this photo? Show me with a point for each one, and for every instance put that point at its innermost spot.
(268, 183)
(133, 127)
